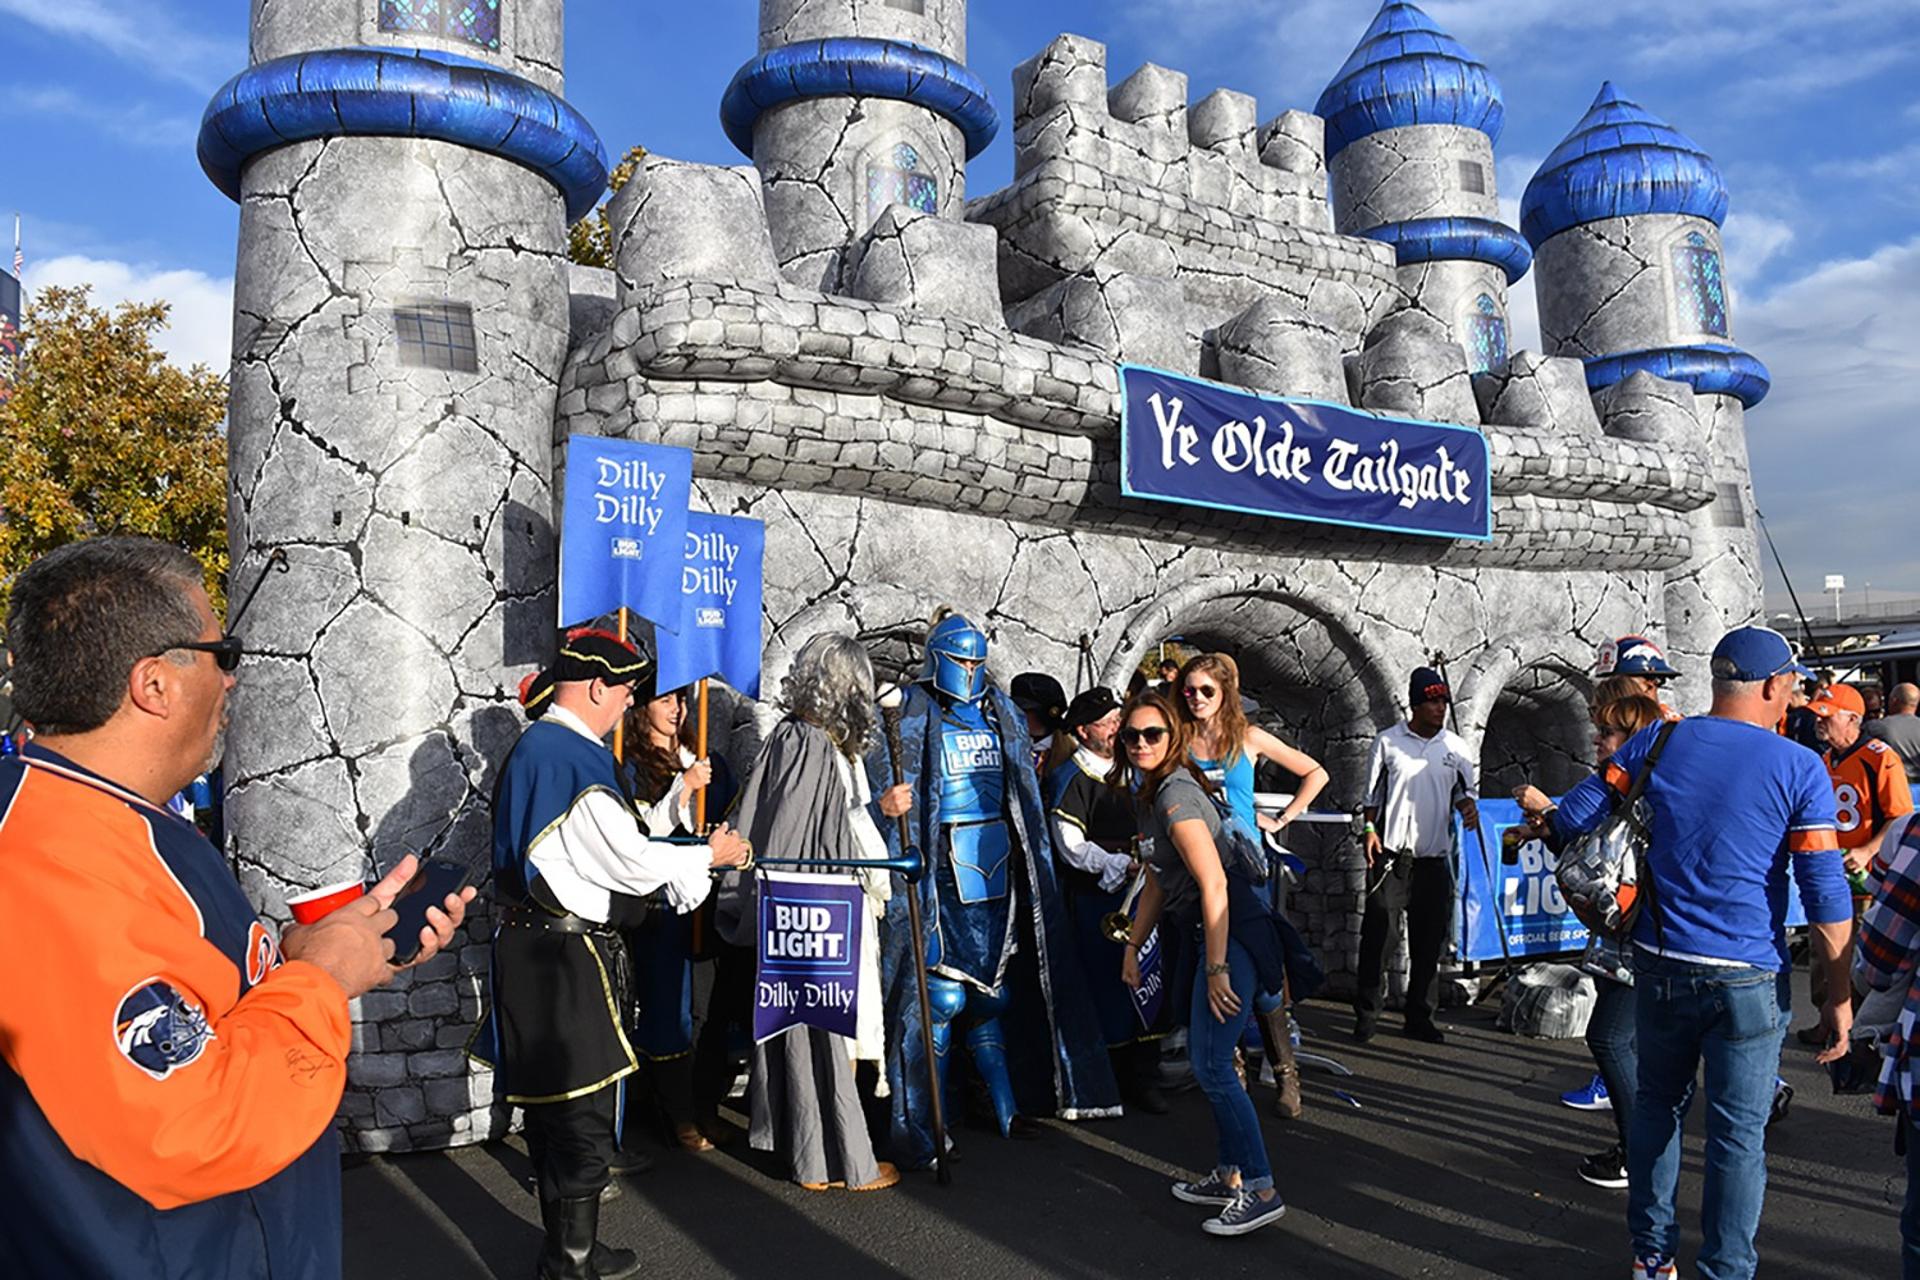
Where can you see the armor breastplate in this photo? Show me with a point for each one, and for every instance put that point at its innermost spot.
(973, 774)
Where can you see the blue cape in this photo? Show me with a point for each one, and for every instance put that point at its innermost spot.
(1055, 1051)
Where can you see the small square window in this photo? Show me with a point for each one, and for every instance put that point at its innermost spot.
(1473, 177)
(436, 335)
(911, 6)
(1729, 512)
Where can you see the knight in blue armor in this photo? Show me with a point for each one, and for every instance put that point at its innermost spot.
(999, 954)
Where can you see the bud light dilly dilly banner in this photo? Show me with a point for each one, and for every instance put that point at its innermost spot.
(623, 529)
(719, 627)
(809, 953)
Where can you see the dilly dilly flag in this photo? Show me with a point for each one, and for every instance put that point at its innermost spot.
(623, 529)
(1147, 997)
(809, 953)
(719, 625)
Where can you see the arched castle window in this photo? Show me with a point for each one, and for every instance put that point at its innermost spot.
(1486, 336)
(894, 177)
(1698, 289)
(475, 22)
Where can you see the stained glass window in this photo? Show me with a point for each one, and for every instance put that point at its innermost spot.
(901, 182)
(475, 22)
(436, 335)
(1487, 334)
(1697, 286)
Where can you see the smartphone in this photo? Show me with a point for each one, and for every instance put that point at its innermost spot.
(429, 888)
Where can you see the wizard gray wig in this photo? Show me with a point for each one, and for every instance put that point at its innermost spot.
(830, 685)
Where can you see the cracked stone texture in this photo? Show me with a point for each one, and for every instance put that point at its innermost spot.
(592, 300)
(1276, 345)
(532, 42)
(1412, 366)
(413, 505)
(1545, 393)
(679, 221)
(1450, 291)
(942, 27)
(917, 262)
(814, 156)
(1607, 287)
(1398, 175)
(1124, 317)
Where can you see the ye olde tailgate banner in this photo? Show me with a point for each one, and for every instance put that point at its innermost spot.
(1198, 443)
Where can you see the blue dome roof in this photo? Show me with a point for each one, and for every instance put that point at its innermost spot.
(1618, 161)
(1406, 71)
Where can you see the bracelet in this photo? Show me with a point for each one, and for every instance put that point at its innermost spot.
(1218, 970)
(1370, 830)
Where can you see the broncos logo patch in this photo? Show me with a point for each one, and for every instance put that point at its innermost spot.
(263, 954)
(157, 1029)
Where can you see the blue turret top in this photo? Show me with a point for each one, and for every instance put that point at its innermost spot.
(1620, 160)
(1404, 71)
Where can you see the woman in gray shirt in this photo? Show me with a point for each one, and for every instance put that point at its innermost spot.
(1179, 825)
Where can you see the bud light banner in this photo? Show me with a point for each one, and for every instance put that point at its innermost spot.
(1202, 444)
(623, 529)
(719, 632)
(809, 962)
(1526, 902)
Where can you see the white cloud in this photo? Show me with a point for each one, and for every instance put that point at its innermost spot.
(200, 324)
(143, 32)
(1835, 456)
(137, 124)
(1751, 241)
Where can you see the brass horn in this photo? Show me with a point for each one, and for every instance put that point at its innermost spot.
(1116, 926)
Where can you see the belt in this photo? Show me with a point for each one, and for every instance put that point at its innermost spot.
(536, 918)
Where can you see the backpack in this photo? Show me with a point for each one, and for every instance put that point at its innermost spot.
(1601, 874)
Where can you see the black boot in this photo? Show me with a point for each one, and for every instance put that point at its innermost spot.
(571, 1252)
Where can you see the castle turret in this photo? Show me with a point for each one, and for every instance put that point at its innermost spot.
(1625, 217)
(852, 106)
(405, 173)
(1411, 122)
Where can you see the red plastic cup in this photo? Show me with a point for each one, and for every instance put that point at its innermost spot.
(315, 903)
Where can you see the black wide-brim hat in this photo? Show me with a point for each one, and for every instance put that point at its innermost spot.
(589, 654)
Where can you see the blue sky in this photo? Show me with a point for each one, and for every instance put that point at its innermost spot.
(1813, 112)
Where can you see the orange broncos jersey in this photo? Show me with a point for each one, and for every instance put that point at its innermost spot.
(1869, 788)
(167, 1082)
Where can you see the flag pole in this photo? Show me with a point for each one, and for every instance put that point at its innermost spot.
(700, 753)
(620, 730)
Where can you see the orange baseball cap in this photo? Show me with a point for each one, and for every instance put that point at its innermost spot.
(1838, 697)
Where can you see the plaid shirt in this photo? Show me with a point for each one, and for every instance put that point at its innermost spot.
(1886, 961)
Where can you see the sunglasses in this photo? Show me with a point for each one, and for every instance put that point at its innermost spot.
(1201, 691)
(1151, 735)
(227, 651)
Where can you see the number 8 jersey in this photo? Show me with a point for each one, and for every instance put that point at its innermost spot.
(1869, 789)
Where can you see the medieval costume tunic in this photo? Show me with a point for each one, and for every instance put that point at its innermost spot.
(802, 801)
(996, 923)
(1094, 831)
(570, 865)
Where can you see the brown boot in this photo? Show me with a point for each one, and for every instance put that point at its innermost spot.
(1275, 1030)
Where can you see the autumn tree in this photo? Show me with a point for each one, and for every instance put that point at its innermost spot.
(590, 240)
(102, 436)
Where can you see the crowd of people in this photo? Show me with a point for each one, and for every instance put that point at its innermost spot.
(1097, 878)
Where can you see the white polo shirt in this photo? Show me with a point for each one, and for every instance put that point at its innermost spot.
(1414, 782)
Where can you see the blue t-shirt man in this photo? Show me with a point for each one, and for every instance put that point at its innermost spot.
(1733, 807)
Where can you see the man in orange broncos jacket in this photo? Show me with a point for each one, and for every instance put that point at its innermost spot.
(169, 1070)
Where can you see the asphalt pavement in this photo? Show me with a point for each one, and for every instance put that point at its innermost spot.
(1458, 1161)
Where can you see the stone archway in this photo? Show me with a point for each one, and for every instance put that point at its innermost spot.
(1319, 685)
(1523, 700)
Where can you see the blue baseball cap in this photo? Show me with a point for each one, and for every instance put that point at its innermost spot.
(1754, 653)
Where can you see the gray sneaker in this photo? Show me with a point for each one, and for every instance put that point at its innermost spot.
(1247, 1213)
(1209, 1190)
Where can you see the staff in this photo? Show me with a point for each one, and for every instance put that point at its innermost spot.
(890, 707)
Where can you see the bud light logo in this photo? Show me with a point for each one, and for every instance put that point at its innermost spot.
(626, 548)
(712, 619)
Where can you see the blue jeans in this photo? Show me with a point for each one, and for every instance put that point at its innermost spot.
(1729, 1018)
(1210, 1047)
(1611, 1041)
